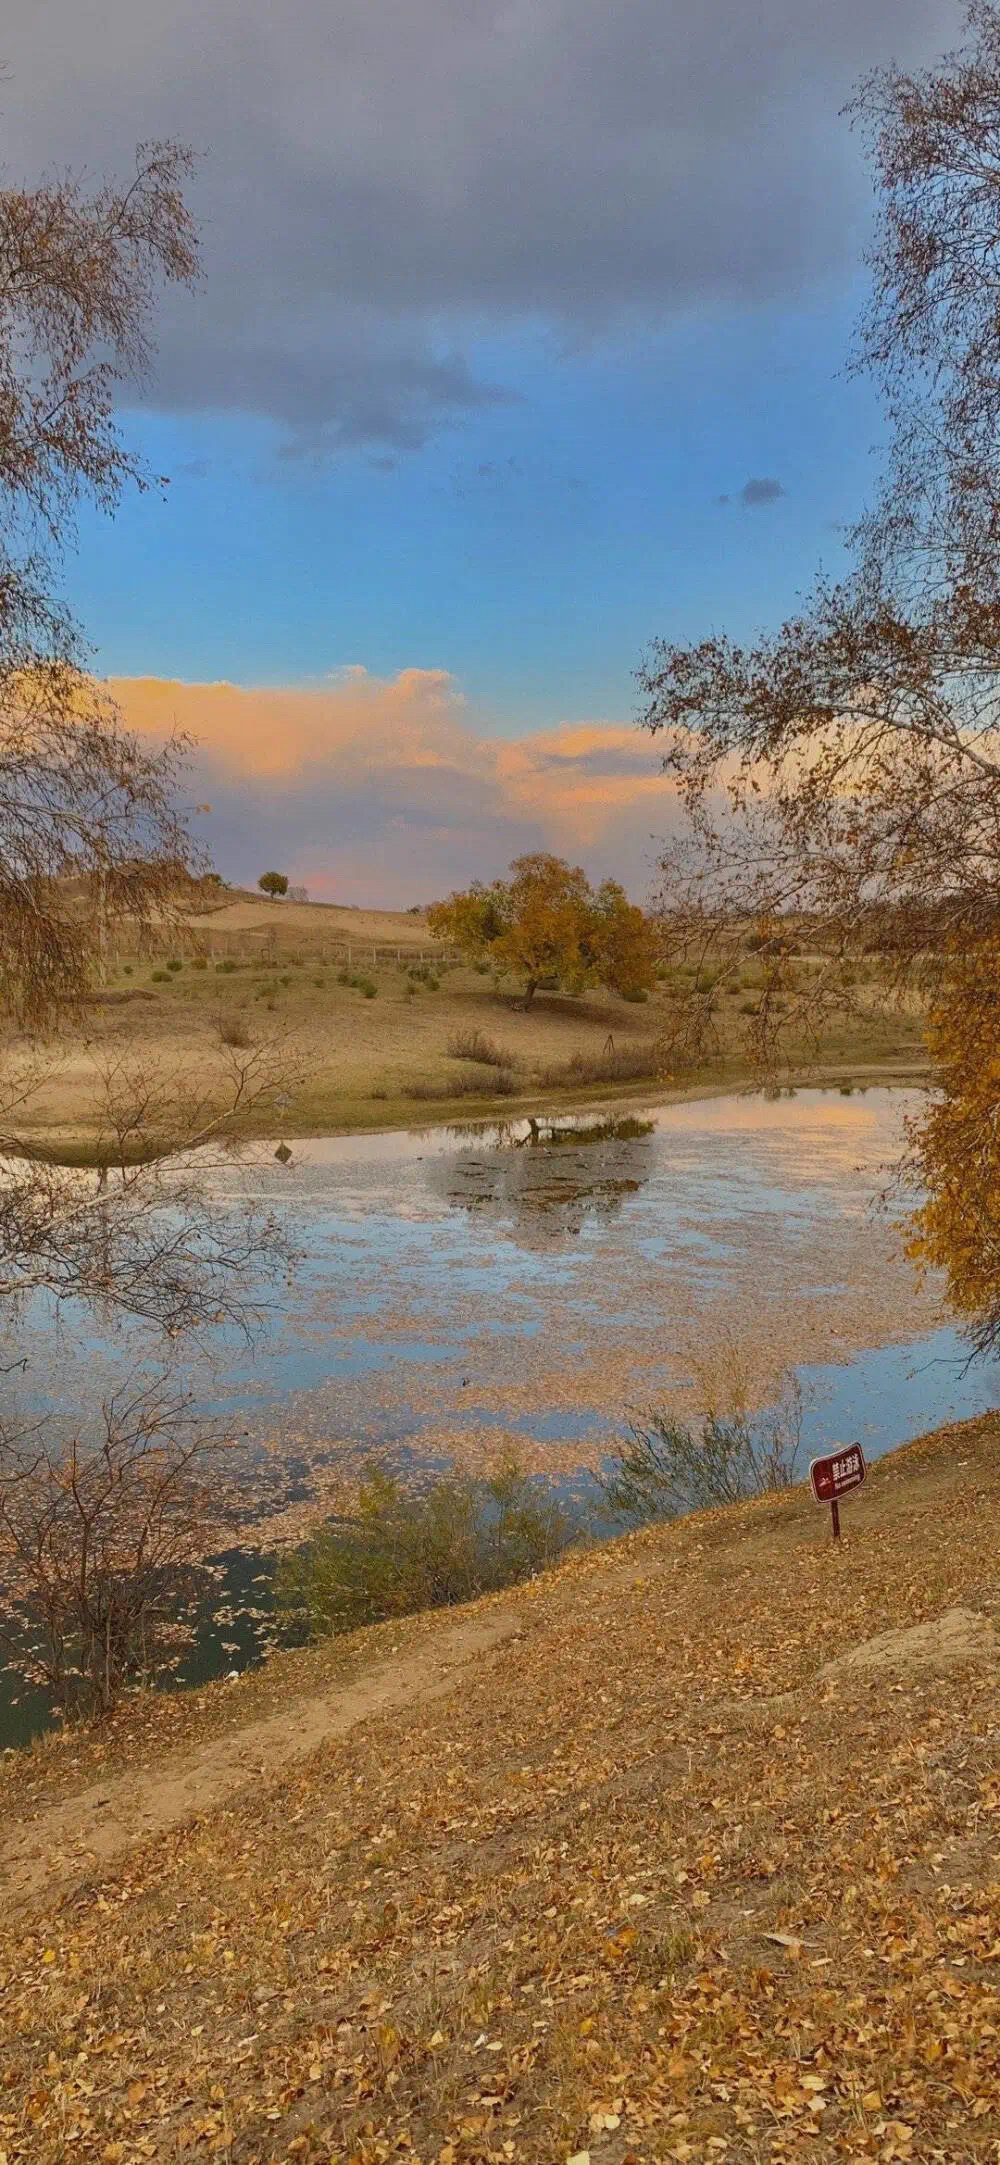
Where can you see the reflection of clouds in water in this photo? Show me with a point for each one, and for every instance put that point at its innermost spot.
(457, 1285)
(808, 1134)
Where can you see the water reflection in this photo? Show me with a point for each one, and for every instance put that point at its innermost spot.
(541, 1180)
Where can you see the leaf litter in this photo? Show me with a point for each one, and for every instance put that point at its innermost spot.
(576, 1905)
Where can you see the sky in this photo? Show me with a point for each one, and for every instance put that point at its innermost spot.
(521, 339)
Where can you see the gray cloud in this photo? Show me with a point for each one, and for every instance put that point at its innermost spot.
(761, 489)
(603, 760)
(388, 191)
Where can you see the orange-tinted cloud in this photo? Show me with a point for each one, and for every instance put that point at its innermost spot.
(383, 790)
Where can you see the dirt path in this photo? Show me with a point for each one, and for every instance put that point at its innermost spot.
(65, 1844)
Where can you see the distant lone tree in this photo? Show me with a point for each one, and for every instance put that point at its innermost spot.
(273, 883)
(549, 926)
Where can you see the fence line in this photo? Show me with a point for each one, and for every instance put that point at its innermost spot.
(268, 951)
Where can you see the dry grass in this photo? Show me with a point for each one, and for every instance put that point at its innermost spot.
(502, 1084)
(652, 1881)
(233, 1031)
(630, 1063)
(475, 1045)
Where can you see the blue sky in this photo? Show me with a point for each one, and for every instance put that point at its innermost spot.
(532, 550)
(499, 298)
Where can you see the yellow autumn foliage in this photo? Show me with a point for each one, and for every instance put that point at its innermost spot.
(955, 1144)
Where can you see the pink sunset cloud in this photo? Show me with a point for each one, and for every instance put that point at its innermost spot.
(376, 790)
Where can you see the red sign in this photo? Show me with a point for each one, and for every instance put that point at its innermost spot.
(839, 1474)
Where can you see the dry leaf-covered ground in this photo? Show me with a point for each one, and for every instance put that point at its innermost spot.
(663, 1877)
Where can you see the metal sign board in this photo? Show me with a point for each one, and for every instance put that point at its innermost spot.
(837, 1475)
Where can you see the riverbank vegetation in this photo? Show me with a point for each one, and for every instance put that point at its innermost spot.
(734, 1451)
(102, 1530)
(397, 1551)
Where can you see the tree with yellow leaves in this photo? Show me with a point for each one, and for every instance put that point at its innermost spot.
(954, 1156)
(547, 925)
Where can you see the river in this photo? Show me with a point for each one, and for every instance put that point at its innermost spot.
(533, 1287)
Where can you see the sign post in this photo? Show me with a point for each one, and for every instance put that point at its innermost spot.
(835, 1476)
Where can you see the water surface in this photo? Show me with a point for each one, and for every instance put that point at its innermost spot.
(535, 1286)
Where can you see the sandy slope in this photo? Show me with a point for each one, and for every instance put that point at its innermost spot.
(317, 921)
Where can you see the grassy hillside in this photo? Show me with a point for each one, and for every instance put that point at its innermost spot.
(691, 1854)
(310, 926)
(372, 1027)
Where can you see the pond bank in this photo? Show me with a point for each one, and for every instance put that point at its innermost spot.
(78, 1800)
(74, 1146)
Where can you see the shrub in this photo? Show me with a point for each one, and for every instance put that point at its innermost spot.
(175, 963)
(367, 987)
(102, 1554)
(475, 1045)
(199, 962)
(398, 1553)
(636, 995)
(160, 977)
(127, 969)
(343, 977)
(631, 1063)
(233, 1030)
(286, 980)
(668, 1467)
(227, 966)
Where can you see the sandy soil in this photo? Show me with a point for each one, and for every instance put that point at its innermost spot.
(67, 1843)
